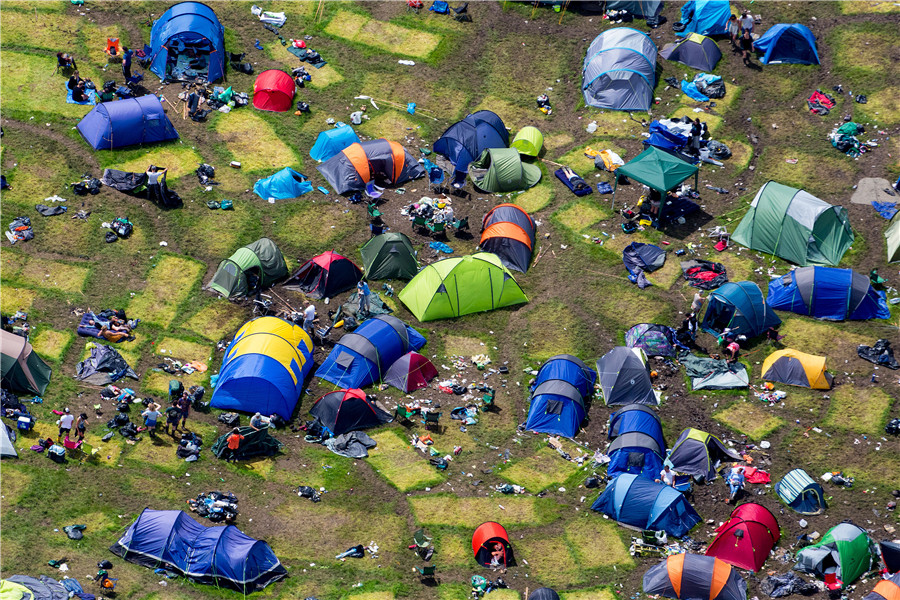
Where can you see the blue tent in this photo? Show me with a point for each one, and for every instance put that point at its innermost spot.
(826, 293)
(664, 138)
(643, 503)
(801, 492)
(465, 140)
(638, 446)
(619, 70)
(185, 30)
(223, 556)
(557, 396)
(740, 307)
(264, 368)
(286, 183)
(706, 17)
(126, 123)
(784, 43)
(364, 356)
(331, 141)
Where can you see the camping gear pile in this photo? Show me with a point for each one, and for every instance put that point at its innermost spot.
(846, 139)
(216, 506)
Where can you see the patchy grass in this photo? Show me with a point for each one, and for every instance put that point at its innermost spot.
(582, 164)
(882, 107)
(384, 36)
(13, 262)
(511, 77)
(448, 101)
(615, 123)
(739, 267)
(183, 350)
(389, 124)
(159, 451)
(458, 345)
(817, 174)
(244, 133)
(15, 482)
(454, 549)
(816, 337)
(52, 344)
(615, 300)
(217, 319)
(514, 116)
(96, 37)
(156, 382)
(179, 160)
(402, 466)
(597, 543)
(472, 512)
(34, 87)
(555, 141)
(535, 199)
(316, 226)
(38, 29)
(543, 469)
(553, 329)
(218, 233)
(322, 78)
(372, 596)
(741, 155)
(596, 594)
(750, 419)
(55, 275)
(855, 7)
(550, 560)
(863, 53)
(16, 298)
(579, 215)
(853, 455)
(169, 284)
(859, 409)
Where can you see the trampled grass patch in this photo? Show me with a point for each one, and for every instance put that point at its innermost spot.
(158, 451)
(169, 283)
(816, 337)
(557, 140)
(583, 164)
(615, 123)
(384, 36)
(77, 238)
(550, 560)
(615, 300)
(157, 382)
(514, 116)
(814, 173)
(513, 78)
(432, 97)
(372, 596)
(315, 226)
(741, 155)
(33, 86)
(460, 345)
(51, 344)
(552, 329)
(216, 320)
(179, 160)
(882, 107)
(37, 28)
(739, 268)
(854, 7)
(863, 53)
(244, 133)
(218, 233)
(536, 198)
(454, 591)
(859, 409)
(389, 124)
(595, 594)
(541, 470)
(96, 37)
(16, 298)
(712, 121)
(597, 543)
(454, 548)
(15, 482)
(322, 78)
(183, 350)
(472, 512)
(856, 456)
(579, 215)
(405, 468)
(55, 275)
(12, 263)
(749, 418)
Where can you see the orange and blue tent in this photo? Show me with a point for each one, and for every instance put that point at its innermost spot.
(695, 576)
(509, 232)
(379, 161)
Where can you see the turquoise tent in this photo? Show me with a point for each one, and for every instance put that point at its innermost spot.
(286, 183)
(332, 141)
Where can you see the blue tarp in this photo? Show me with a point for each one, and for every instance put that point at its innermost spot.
(126, 123)
(286, 183)
(741, 307)
(645, 504)
(827, 293)
(191, 24)
(557, 396)
(885, 209)
(664, 138)
(690, 87)
(706, 17)
(332, 141)
(788, 43)
(465, 140)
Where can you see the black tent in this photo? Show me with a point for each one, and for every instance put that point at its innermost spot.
(325, 276)
(348, 410)
(104, 366)
(256, 442)
(625, 378)
(129, 183)
(543, 594)
(890, 554)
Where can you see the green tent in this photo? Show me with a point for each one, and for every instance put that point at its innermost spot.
(505, 171)
(460, 286)
(257, 265)
(23, 370)
(845, 547)
(658, 170)
(389, 256)
(796, 226)
(528, 141)
(892, 238)
(256, 442)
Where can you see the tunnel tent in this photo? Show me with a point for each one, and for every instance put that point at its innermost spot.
(787, 44)
(273, 91)
(699, 453)
(331, 141)
(844, 550)
(483, 542)
(389, 255)
(746, 539)
(187, 43)
(695, 51)
(801, 492)
(694, 577)
(619, 71)
(543, 594)
(509, 232)
(557, 404)
(379, 161)
(284, 184)
(828, 293)
(342, 411)
(501, 170)
(528, 141)
(23, 370)
(638, 446)
(465, 140)
(706, 17)
(739, 307)
(641, 503)
(253, 267)
(325, 276)
(126, 122)
(792, 367)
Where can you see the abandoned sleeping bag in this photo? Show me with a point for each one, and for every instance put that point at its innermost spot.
(704, 274)
(104, 366)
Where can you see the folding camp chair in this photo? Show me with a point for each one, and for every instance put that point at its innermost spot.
(426, 573)
(436, 229)
(435, 177)
(461, 225)
(423, 545)
(432, 420)
(487, 400)
(61, 63)
(113, 51)
(419, 223)
(403, 414)
(372, 210)
(373, 191)
(832, 582)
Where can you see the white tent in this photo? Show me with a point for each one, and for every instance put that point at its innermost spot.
(7, 450)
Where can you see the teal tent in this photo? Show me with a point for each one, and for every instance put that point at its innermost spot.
(658, 170)
(331, 141)
(286, 183)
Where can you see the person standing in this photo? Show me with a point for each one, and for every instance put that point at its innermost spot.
(173, 415)
(127, 53)
(66, 420)
(151, 416)
(362, 290)
(746, 22)
(156, 179)
(734, 31)
(234, 443)
(746, 47)
(697, 302)
(81, 426)
(309, 316)
(183, 403)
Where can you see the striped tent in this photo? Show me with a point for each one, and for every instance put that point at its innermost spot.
(799, 491)
(378, 160)
(696, 577)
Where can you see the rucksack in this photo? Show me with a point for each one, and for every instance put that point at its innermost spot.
(893, 428)
(122, 226)
(230, 419)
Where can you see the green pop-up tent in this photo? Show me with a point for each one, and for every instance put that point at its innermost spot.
(505, 171)
(846, 548)
(389, 256)
(528, 141)
(257, 265)
(460, 286)
(658, 170)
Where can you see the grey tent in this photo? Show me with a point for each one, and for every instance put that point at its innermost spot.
(619, 70)
(712, 374)
(638, 8)
(625, 378)
(255, 266)
(845, 550)
(104, 366)
(543, 594)
(7, 450)
(23, 369)
(44, 588)
(699, 453)
(500, 170)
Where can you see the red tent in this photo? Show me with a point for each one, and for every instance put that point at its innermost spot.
(325, 276)
(484, 541)
(273, 90)
(746, 539)
(410, 372)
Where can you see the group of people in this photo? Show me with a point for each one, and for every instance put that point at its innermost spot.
(735, 480)
(114, 325)
(80, 87)
(740, 31)
(67, 422)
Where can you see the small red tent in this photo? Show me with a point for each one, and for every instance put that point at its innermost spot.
(410, 372)
(325, 276)
(273, 90)
(746, 539)
(489, 537)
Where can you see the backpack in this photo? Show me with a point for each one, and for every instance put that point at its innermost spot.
(176, 388)
(893, 428)
(122, 226)
(230, 419)
(440, 7)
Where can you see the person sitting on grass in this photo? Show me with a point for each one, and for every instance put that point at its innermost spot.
(258, 422)
(735, 483)
(79, 94)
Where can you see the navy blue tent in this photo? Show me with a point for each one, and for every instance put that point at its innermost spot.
(126, 123)
(223, 556)
(706, 17)
(740, 307)
(188, 41)
(638, 446)
(787, 43)
(331, 141)
(286, 183)
(827, 293)
(465, 140)
(364, 356)
(558, 394)
(664, 138)
(643, 503)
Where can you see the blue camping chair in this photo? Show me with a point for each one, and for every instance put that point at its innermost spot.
(435, 177)
(459, 180)
(373, 191)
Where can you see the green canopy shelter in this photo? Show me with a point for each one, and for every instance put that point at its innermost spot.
(501, 170)
(255, 266)
(795, 225)
(892, 238)
(528, 141)
(389, 256)
(658, 170)
(460, 286)
(23, 370)
(846, 549)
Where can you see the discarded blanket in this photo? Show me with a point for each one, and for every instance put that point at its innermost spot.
(50, 211)
(704, 274)
(91, 101)
(576, 183)
(640, 258)
(885, 209)
(881, 354)
(754, 475)
(354, 444)
(820, 103)
(779, 586)
(128, 183)
(104, 366)
(712, 374)
(704, 87)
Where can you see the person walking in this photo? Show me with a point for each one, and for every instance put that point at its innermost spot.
(173, 415)
(746, 22)
(746, 47)
(309, 316)
(734, 32)
(183, 403)
(66, 420)
(362, 290)
(697, 302)
(234, 443)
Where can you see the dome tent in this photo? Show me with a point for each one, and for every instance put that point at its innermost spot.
(638, 446)
(273, 91)
(791, 367)
(746, 539)
(126, 122)
(255, 266)
(827, 293)
(341, 411)
(23, 370)
(706, 17)
(696, 51)
(638, 8)
(389, 255)
(787, 44)
(846, 550)
(465, 140)
(619, 70)
(325, 276)
(739, 307)
(483, 540)
(695, 577)
(653, 339)
(886, 589)
(509, 232)
(801, 492)
(331, 141)
(625, 377)
(557, 404)
(410, 372)
(640, 502)
(378, 160)
(183, 32)
(528, 141)
(543, 594)
(504, 171)
(699, 454)
(286, 183)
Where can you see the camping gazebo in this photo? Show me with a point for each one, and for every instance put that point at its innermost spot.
(658, 170)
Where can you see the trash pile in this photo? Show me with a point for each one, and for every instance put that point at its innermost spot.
(216, 506)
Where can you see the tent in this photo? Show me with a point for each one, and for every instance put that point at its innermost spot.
(619, 71)
(890, 555)
(706, 17)
(361, 358)
(699, 454)
(221, 556)
(460, 286)
(787, 44)
(286, 183)
(828, 293)
(711, 374)
(845, 550)
(653, 339)
(126, 122)
(528, 141)
(23, 370)
(331, 141)
(644, 504)
(792, 367)
(253, 267)
(341, 411)
(638, 446)
(13, 591)
(410, 372)
(801, 492)
(746, 539)
(886, 589)
(557, 404)
(796, 226)
(264, 368)
(124, 181)
(7, 450)
(44, 588)
(638, 8)
(325, 276)
(273, 90)
(704, 274)
(625, 377)
(504, 171)
(696, 51)
(378, 160)
(188, 42)
(389, 256)
(892, 239)
(660, 171)
(509, 232)
(483, 541)
(739, 307)
(104, 366)
(465, 140)
(639, 258)
(548, 594)
(256, 442)
(695, 577)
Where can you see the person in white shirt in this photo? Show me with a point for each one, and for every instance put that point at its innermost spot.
(667, 476)
(746, 22)
(309, 315)
(65, 423)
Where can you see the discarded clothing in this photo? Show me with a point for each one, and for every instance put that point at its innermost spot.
(704, 274)
(820, 103)
(880, 354)
(754, 475)
(354, 444)
(50, 211)
(779, 586)
(885, 209)
(20, 230)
